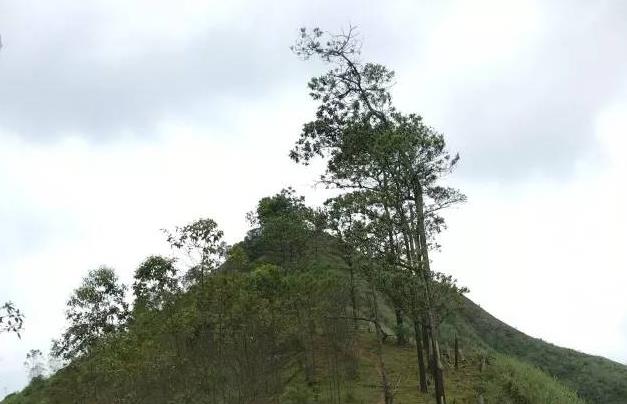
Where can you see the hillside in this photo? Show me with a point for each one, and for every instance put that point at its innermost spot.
(597, 379)
(166, 356)
(116, 374)
(293, 316)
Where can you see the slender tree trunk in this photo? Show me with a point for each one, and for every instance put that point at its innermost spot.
(427, 276)
(308, 369)
(422, 373)
(456, 352)
(353, 292)
(440, 396)
(312, 343)
(392, 257)
(400, 327)
(420, 336)
(419, 260)
(388, 395)
(426, 344)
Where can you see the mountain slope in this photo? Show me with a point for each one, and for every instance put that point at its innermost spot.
(597, 379)
(270, 335)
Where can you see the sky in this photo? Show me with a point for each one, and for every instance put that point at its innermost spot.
(120, 118)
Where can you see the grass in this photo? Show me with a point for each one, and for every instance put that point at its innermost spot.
(596, 379)
(503, 380)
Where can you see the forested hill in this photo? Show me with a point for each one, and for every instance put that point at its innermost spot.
(293, 316)
(598, 379)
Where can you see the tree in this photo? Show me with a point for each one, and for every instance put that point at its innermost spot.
(34, 364)
(11, 319)
(360, 242)
(95, 310)
(202, 242)
(389, 161)
(284, 229)
(340, 222)
(237, 258)
(155, 283)
(55, 363)
(445, 299)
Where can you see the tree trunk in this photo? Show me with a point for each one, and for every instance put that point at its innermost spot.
(312, 344)
(391, 258)
(422, 373)
(353, 292)
(400, 327)
(427, 276)
(422, 267)
(426, 345)
(388, 395)
(456, 353)
(438, 372)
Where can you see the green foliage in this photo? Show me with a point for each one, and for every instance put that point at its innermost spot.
(236, 259)
(255, 331)
(298, 394)
(155, 283)
(268, 335)
(96, 309)
(389, 165)
(235, 339)
(508, 380)
(595, 379)
(11, 318)
(285, 233)
(33, 393)
(202, 241)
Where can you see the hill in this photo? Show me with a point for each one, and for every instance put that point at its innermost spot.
(167, 366)
(597, 379)
(287, 318)
(269, 355)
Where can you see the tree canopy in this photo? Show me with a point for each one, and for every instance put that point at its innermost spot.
(95, 310)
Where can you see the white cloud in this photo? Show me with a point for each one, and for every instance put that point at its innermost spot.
(547, 256)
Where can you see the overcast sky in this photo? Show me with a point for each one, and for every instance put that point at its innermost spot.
(119, 118)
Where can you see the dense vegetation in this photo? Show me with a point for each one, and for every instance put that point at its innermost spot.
(335, 304)
(272, 324)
